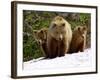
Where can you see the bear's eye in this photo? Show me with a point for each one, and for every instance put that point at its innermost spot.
(54, 25)
(63, 24)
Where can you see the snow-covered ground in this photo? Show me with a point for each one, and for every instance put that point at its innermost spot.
(80, 59)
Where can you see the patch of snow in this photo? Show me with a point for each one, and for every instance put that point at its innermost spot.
(80, 59)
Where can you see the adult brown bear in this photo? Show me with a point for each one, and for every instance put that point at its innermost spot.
(78, 42)
(59, 37)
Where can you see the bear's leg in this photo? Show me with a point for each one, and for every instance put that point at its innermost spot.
(62, 49)
(44, 46)
(52, 49)
(81, 49)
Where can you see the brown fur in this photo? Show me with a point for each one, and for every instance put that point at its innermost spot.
(59, 37)
(41, 38)
(78, 42)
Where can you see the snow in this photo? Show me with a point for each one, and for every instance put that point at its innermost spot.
(80, 59)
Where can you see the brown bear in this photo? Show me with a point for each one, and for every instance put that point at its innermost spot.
(59, 37)
(78, 42)
(41, 38)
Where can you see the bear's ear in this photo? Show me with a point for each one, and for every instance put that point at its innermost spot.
(35, 31)
(84, 28)
(79, 29)
(41, 31)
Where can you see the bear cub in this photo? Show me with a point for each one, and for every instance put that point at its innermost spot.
(78, 41)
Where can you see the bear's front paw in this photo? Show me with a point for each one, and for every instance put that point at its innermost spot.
(60, 55)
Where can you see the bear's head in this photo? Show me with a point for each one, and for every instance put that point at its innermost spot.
(57, 27)
(40, 35)
(82, 30)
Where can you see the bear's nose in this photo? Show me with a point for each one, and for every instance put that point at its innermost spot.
(60, 37)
